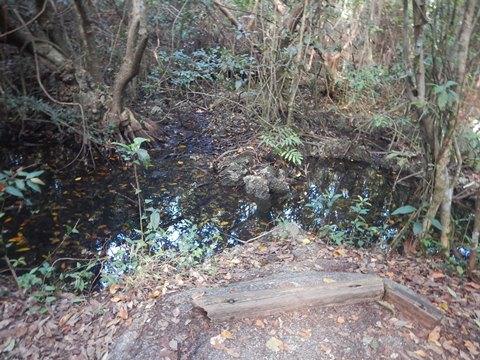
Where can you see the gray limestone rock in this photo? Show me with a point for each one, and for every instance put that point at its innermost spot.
(257, 187)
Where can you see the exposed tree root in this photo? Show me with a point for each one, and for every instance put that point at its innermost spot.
(128, 127)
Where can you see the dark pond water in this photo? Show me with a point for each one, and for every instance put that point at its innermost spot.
(182, 185)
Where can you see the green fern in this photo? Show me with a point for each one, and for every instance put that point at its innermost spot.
(284, 141)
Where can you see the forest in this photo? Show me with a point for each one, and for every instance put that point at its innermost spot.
(148, 148)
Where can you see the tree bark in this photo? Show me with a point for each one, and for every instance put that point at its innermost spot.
(92, 62)
(136, 43)
(472, 263)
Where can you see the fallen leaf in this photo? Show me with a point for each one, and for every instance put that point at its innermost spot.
(325, 348)
(227, 335)
(117, 298)
(434, 336)
(305, 333)
(420, 353)
(155, 294)
(306, 241)
(66, 317)
(443, 306)
(452, 292)
(260, 324)
(341, 320)
(274, 344)
(329, 281)
(389, 274)
(472, 347)
(123, 313)
(235, 261)
(437, 275)
(473, 285)
(354, 317)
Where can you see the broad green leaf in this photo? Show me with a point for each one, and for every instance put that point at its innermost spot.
(403, 210)
(14, 191)
(20, 184)
(442, 100)
(450, 83)
(155, 220)
(435, 223)
(417, 228)
(34, 174)
(34, 187)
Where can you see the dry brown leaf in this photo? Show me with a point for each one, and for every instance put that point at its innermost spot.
(443, 306)
(155, 294)
(227, 335)
(117, 298)
(66, 317)
(473, 285)
(274, 344)
(437, 275)
(389, 274)
(114, 288)
(472, 347)
(123, 313)
(341, 320)
(305, 333)
(434, 336)
(260, 323)
(420, 353)
(325, 349)
(354, 317)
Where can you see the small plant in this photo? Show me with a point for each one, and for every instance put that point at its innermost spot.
(17, 182)
(356, 230)
(285, 141)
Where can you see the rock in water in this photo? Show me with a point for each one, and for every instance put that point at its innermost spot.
(257, 187)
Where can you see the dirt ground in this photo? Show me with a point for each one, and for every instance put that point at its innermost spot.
(158, 322)
(172, 329)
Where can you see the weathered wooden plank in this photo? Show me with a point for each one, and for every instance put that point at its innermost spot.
(412, 305)
(286, 292)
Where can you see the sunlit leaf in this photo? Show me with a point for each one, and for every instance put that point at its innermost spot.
(37, 181)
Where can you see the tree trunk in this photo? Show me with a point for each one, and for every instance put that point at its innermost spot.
(136, 43)
(472, 263)
(84, 9)
(123, 119)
